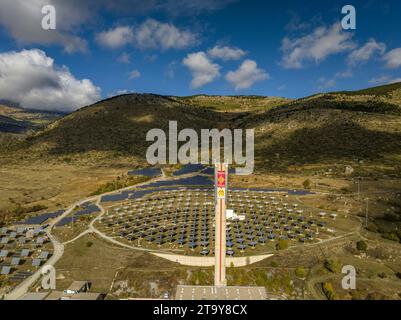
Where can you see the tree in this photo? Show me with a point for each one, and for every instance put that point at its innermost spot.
(361, 245)
(300, 272)
(307, 184)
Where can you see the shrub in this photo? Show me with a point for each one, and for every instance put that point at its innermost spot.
(374, 296)
(300, 272)
(307, 184)
(391, 236)
(328, 291)
(332, 265)
(120, 183)
(274, 264)
(282, 245)
(89, 244)
(361, 245)
(345, 190)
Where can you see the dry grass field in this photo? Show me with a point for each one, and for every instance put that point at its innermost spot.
(54, 186)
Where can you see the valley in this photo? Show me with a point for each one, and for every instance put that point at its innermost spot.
(344, 147)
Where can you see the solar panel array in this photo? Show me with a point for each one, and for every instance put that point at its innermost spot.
(198, 180)
(147, 172)
(184, 218)
(41, 218)
(88, 209)
(188, 169)
(116, 197)
(16, 254)
(20, 276)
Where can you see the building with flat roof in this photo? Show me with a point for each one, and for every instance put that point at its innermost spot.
(220, 293)
(59, 295)
(55, 295)
(85, 296)
(78, 287)
(34, 296)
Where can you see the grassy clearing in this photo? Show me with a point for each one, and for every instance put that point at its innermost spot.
(120, 183)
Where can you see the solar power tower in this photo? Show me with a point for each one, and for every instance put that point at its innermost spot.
(221, 175)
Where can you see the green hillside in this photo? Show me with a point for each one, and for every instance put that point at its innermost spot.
(334, 129)
(115, 128)
(331, 130)
(16, 120)
(377, 91)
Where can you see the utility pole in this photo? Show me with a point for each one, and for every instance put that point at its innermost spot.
(359, 188)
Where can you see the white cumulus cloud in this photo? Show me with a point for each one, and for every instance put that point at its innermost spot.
(393, 58)
(396, 80)
(134, 74)
(380, 80)
(246, 75)
(23, 21)
(386, 79)
(124, 58)
(366, 52)
(22, 18)
(203, 70)
(316, 46)
(116, 37)
(226, 53)
(32, 79)
(151, 34)
(326, 83)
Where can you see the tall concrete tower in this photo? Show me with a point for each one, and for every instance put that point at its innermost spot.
(221, 187)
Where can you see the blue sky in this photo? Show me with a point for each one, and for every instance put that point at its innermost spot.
(186, 47)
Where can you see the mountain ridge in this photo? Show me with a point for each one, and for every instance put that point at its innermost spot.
(336, 129)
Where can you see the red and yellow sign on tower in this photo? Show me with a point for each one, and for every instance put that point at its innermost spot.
(221, 184)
